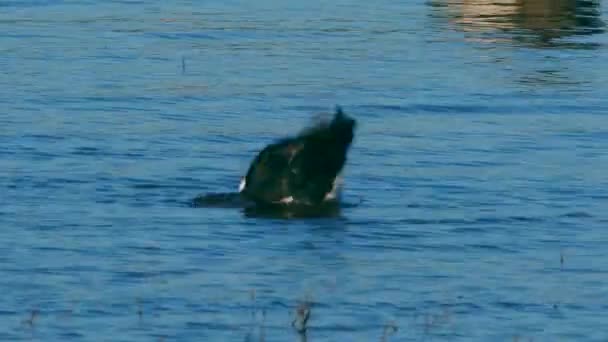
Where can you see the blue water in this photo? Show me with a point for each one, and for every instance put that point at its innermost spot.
(479, 169)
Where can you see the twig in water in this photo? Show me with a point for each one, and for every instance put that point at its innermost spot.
(30, 321)
(302, 316)
(389, 329)
(140, 310)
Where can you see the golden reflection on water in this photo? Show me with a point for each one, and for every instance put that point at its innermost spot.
(536, 21)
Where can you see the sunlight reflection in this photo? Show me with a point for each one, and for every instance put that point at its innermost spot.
(537, 22)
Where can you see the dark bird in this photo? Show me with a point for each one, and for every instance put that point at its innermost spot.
(296, 172)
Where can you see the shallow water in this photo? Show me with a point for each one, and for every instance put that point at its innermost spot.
(478, 170)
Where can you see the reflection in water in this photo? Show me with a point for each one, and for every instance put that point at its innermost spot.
(234, 200)
(293, 212)
(538, 22)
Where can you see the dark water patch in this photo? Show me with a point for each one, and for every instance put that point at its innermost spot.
(145, 249)
(425, 108)
(95, 312)
(64, 181)
(510, 219)
(218, 200)
(480, 220)
(213, 326)
(571, 306)
(436, 276)
(525, 219)
(37, 155)
(343, 328)
(524, 307)
(182, 35)
(491, 248)
(459, 109)
(112, 100)
(391, 235)
(173, 202)
(134, 275)
(115, 57)
(77, 108)
(176, 183)
(56, 249)
(481, 163)
(177, 273)
(8, 153)
(44, 137)
(69, 270)
(281, 304)
(129, 2)
(25, 4)
(461, 307)
(57, 225)
(447, 188)
(106, 201)
(581, 270)
(137, 155)
(71, 334)
(383, 246)
(469, 229)
(414, 221)
(43, 271)
(550, 270)
(431, 205)
(564, 191)
(158, 59)
(28, 182)
(87, 151)
(384, 108)
(448, 247)
(306, 109)
(577, 214)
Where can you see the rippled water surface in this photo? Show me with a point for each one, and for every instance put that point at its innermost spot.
(477, 181)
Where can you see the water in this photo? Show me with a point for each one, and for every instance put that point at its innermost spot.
(479, 165)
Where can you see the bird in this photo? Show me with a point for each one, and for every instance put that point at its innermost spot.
(302, 171)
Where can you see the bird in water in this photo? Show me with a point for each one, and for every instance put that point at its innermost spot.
(297, 175)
